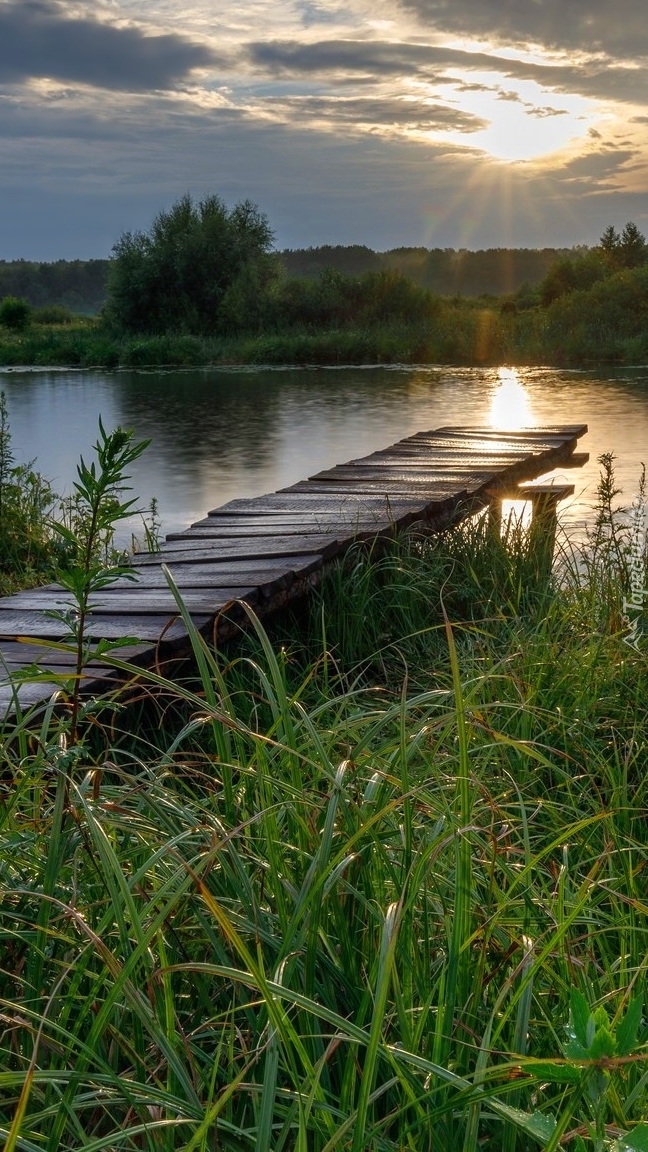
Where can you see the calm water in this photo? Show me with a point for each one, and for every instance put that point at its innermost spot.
(222, 434)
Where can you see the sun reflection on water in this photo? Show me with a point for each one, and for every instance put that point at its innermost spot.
(510, 411)
(510, 406)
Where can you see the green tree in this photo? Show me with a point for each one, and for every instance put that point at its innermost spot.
(610, 240)
(574, 274)
(633, 249)
(15, 313)
(196, 256)
(627, 250)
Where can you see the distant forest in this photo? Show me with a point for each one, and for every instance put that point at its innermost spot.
(80, 285)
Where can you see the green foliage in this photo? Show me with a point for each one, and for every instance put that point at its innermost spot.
(92, 565)
(28, 552)
(79, 285)
(628, 250)
(245, 932)
(15, 313)
(53, 314)
(573, 274)
(338, 301)
(444, 271)
(196, 260)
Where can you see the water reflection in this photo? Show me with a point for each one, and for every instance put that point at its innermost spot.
(511, 406)
(217, 435)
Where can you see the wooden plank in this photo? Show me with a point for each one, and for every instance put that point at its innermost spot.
(27, 695)
(106, 626)
(424, 458)
(190, 549)
(125, 602)
(214, 573)
(424, 491)
(286, 501)
(361, 474)
(566, 431)
(13, 654)
(330, 525)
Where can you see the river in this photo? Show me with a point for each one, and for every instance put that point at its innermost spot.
(217, 434)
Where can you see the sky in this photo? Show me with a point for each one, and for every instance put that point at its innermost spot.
(439, 123)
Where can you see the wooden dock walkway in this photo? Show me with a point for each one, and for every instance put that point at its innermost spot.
(271, 549)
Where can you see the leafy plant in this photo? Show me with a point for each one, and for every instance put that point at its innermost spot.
(596, 1053)
(92, 566)
(15, 313)
(29, 553)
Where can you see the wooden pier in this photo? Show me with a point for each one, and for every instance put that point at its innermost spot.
(271, 549)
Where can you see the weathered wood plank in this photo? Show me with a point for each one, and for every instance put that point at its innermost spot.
(221, 573)
(14, 654)
(25, 695)
(563, 431)
(124, 602)
(428, 491)
(191, 549)
(106, 626)
(285, 501)
(388, 473)
(423, 458)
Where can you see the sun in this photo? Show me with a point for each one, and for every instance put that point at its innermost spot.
(524, 120)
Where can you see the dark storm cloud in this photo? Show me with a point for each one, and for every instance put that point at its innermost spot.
(38, 39)
(619, 29)
(360, 58)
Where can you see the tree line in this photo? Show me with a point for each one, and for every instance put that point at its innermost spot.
(82, 285)
(204, 269)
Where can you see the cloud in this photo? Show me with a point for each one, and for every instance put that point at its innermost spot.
(590, 26)
(356, 59)
(544, 112)
(38, 39)
(380, 113)
(135, 157)
(512, 97)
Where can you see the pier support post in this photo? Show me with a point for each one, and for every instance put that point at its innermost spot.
(544, 500)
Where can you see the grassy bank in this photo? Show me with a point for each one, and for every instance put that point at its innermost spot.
(377, 888)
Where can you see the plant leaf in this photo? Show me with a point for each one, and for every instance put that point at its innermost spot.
(636, 1140)
(626, 1033)
(553, 1072)
(580, 1015)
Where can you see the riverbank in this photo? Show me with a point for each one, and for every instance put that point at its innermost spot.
(580, 329)
(376, 887)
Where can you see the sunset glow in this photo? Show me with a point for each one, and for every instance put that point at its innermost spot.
(525, 121)
(476, 123)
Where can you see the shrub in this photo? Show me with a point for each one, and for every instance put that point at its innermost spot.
(15, 313)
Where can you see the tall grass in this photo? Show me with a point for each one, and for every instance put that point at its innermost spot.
(339, 891)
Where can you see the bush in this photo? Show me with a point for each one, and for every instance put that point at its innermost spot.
(15, 313)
